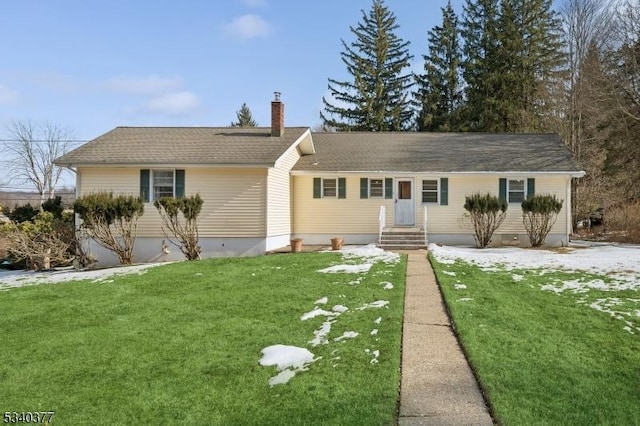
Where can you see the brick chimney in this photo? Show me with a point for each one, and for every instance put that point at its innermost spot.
(277, 116)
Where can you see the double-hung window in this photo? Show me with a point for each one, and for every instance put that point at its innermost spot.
(516, 190)
(430, 191)
(376, 187)
(329, 188)
(163, 183)
(158, 183)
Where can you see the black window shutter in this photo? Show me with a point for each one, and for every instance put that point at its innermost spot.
(531, 187)
(342, 188)
(364, 188)
(317, 188)
(144, 184)
(179, 183)
(444, 191)
(388, 188)
(503, 189)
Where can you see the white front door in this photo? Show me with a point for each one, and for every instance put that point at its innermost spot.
(405, 214)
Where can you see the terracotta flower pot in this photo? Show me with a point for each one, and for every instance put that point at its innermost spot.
(296, 245)
(336, 243)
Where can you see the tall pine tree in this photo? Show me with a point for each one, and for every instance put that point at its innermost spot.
(481, 69)
(244, 117)
(513, 65)
(377, 99)
(439, 88)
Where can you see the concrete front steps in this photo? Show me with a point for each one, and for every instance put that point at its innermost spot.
(401, 238)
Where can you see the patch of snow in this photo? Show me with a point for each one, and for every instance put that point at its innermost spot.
(347, 335)
(460, 286)
(450, 273)
(320, 335)
(356, 281)
(321, 301)
(517, 277)
(376, 304)
(617, 261)
(378, 320)
(387, 285)
(9, 279)
(339, 308)
(288, 361)
(375, 354)
(370, 253)
(315, 313)
(465, 299)
(374, 332)
(350, 269)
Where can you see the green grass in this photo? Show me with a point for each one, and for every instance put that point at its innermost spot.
(181, 344)
(545, 358)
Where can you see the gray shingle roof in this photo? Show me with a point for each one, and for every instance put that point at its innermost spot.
(438, 152)
(184, 145)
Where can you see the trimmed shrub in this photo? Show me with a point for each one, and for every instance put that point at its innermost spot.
(539, 213)
(112, 221)
(179, 218)
(487, 213)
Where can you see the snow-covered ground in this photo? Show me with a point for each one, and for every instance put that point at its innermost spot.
(617, 265)
(9, 279)
(290, 360)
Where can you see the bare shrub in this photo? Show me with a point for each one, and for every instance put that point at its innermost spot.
(623, 223)
(40, 242)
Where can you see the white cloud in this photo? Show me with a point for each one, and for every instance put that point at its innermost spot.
(7, 95)
(175, 103)
(248, 26)
(152, 85)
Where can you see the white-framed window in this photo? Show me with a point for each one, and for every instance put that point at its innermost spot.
(376, 188)
(158, 183)
(430, 191)
(516, 190)
(329, 188)
(163, 183)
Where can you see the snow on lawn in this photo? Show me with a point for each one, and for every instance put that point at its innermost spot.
(619, 263)
(10, 279)
(290, 359)
(368, 255)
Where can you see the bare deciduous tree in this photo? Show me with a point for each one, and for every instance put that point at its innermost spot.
(31, 150)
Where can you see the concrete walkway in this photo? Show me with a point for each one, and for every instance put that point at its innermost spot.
(437, 386)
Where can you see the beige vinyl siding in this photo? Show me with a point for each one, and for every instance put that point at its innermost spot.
(449, 219)
(331, 215)
(356, 215)
(279, 194)
(234, 199)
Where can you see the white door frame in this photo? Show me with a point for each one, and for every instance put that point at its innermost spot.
(405, 214)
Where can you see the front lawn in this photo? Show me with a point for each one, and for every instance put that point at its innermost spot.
(182, 343)
(550, 345)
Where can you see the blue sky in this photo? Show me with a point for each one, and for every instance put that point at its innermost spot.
(93, 65)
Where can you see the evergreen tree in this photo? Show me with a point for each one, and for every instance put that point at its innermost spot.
(512, 65)
(377, 99)
(481, 70)
(244, 118)
(439, 88)
(540, 61)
